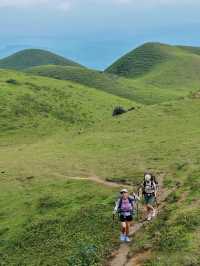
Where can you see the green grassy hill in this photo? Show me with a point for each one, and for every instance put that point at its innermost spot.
(191, 49)
(51, 212)
(35, 176)
(141, 60)
(136, 90)
(53, 130)
(160, 72)
(160, 64)
(92, 78)
(30, 102)
(152, 73)
(34, 57)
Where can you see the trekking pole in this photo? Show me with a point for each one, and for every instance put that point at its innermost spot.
(138, 194)
(113, 220)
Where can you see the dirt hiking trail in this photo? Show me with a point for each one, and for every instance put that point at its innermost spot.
(120, 257)
(98, 180)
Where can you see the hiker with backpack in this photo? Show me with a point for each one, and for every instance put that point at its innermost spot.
(125, 207)
(149, 191)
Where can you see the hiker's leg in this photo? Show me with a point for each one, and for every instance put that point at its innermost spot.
(123, 231)
(146, 200)
(127, 228)
(151, 206)
(149, 212)
(128, 222)
(123, 227)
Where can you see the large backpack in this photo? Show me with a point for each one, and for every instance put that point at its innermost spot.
(154, 179)
(152, 186)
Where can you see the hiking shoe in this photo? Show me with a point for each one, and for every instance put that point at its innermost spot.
(127, 239)
(122, 237)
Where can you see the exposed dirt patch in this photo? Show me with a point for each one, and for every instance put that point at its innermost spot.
(139, 258)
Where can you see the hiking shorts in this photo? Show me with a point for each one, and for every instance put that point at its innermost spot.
(124, 218)
(149, 199)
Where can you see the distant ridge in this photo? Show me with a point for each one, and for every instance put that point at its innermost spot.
(34, 57)
(151, 73)
(140, 60)
(145, 58)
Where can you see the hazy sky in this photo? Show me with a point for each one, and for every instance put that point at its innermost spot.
(96, 32)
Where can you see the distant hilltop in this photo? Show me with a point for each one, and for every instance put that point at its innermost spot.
(34, 57)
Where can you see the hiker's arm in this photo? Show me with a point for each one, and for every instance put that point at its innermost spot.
(116, 206)
(136, 197)
(140, 190)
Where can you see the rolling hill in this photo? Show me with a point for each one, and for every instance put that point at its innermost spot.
(140, 61)
(161, 65)
(91, 78)
(152, 73)
(34, 57)
(135, 90)
(31, 102)
(36, 187)
(35, 112)
(53, 132)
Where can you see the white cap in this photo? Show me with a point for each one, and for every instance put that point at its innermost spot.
(147, 177)
(124, 190)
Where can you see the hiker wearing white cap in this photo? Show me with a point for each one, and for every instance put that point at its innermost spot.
(149, 191)
(125, 206)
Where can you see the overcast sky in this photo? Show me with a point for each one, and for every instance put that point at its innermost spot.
(96, 32)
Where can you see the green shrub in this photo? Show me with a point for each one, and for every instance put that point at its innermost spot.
(172, 238)
(173, 197)
(46, 203)
(12, 81)
(190, 220)
(85, 256)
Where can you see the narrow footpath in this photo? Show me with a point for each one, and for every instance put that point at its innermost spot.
(120, 256)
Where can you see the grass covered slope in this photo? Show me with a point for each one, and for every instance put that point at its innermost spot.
(34, 177)
(160, 72)
(56, 222)
(35, 102)
(52, 130)
(154, 73)
(141, 60)
(135, 90)
(92, 78)
(34, 57)
(160, 65)
(163, 137)
(173, 238)
(141, 139)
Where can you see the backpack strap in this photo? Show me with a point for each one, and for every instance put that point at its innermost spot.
(129, 199)
(120, 203)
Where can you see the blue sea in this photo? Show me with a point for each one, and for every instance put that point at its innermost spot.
(91, 53)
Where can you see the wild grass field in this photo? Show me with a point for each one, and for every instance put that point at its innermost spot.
(54, 221)
(52, 131)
